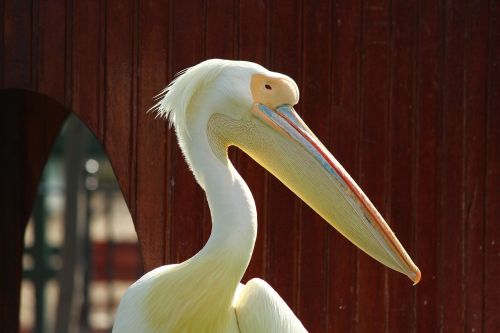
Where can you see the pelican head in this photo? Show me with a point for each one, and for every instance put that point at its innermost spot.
(224, 103)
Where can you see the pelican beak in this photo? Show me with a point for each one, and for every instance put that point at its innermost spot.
(282, 143)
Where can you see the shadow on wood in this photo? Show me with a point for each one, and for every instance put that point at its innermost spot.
(29, 123)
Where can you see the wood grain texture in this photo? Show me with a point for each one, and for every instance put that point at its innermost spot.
(315, 86)
(429, 94)
(88, 63)
(401, 169)
(220, 21)
(2, 42)
(17, 44)
(118, 137)
(253, 46)
(451, 222)
(187, 198)
(345, 80)
(283, 207)
(51, 70)
(404, 93)
(491, 238)
(152, 135)
(374, 155)
(476, 86)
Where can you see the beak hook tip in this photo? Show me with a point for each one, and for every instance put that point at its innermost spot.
(416, 277)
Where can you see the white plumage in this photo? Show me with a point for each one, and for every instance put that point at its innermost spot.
(213, 105)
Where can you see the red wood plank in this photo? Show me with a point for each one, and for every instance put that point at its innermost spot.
(314, 106)
(492, 228)
(52, 49)
(282, 205)
(402, 102)
(374, 154)
(220, 16)
(187, 197)
(346, 58)
(134, 22)
(17, 44)
(118, 91)
(455, 78)
(220, 19)
(253, 43)
(123, 257)
(429, 58)
(252, 46)
(88, 85)
(476, 75)
(2, 42)
(452, 227)
(152, 135)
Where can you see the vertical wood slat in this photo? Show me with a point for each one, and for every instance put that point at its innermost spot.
(2, 42)
(253, 47)
(445, 72)
(220, 20)
(187, 197)
(51, 69)
(345, 93)
(17, 45)
(134, 105)
(68, 52)
(491, 236)
(373, 178)
(429, 75)
(282, 205)
(87, 82)
(402, 102)
(451, 229)
(118, 87)
(476, 79)
(314, 107)
(152, 135)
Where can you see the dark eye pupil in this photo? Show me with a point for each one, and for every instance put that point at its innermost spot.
(268, 87)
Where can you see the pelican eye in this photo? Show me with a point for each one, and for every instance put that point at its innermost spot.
(268, 87)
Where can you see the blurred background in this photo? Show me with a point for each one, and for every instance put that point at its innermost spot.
(81, 249)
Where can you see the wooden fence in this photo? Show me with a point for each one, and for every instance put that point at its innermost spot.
(405, 93)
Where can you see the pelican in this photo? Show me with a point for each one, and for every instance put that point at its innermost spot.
(221, 103)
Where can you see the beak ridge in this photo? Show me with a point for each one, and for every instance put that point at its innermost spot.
(358, 220)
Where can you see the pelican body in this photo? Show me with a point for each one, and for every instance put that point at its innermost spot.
(222, 103)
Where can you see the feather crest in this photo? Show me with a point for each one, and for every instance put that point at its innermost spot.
(173, 101)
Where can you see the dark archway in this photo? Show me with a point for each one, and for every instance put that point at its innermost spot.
(29, 123)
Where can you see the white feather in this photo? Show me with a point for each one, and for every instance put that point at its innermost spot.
(198, 295)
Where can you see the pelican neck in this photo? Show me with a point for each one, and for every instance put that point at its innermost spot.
(232, 207)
